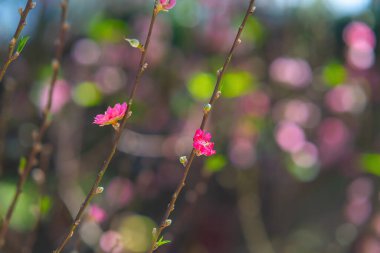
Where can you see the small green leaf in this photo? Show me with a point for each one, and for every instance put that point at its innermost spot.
(133, 42)
(22, 43)
(21, 165)
(162, 242)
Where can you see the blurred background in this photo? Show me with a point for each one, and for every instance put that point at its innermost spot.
(296, 128)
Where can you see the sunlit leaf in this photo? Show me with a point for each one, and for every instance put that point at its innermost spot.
(87, 94)
(201, 85)
(334, 74)
(22, 43)
(162, 242)
(371, 163)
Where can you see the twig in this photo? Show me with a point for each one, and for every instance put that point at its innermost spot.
(37, 137)
(5, 99)
(164, 223)
(12, 44)
(103, 169)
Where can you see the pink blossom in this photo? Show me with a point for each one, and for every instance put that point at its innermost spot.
(97, 213)
(112, 115)
(202, 144)
(166, 4)
(111, 242)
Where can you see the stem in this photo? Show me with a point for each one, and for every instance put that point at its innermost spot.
(37, 146)
(213, 98)
(103, 169)
(12, 44)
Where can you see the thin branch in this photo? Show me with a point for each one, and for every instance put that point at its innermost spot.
(216, 93)
(12, 44)
(37, 138)
(103, 169)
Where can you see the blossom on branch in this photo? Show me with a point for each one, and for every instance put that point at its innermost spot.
(202, 144)
(112, 115)
(165, 5)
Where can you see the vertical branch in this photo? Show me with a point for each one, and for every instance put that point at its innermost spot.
(37, 137)
(5, 99)
(94, 189)
(215, 95)
(12, 44)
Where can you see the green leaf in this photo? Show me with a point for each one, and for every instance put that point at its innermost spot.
(22, 43)
(162, 242)
(371, 163)
(134, 42)
(21, 165)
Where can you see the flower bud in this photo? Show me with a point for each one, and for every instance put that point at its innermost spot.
(207, 108)
(183, 160)
(99, 190)
(168, 222)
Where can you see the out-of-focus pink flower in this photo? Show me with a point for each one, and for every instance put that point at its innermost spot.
(119, 192)
(166, 4)
(61, 96)
(202, 144)
(112, 115)
(293, 72)
(358, 34)
(346, 98)
(97, 213)
(290, 137)
(111, 242)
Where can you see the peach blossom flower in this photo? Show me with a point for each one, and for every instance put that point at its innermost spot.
(112, 115)
(202, 144)
(97, 214)
(166, 5)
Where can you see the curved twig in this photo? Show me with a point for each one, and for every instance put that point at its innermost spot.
(12, 44)
(37, 138)
(103, 169)
(216, 93)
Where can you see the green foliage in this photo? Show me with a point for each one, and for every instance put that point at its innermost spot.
(371, 163)
(23, 218)
(236, 84)
(87, 94)
(334, 74)
(162, 242)
(215, 163)
(22, 43)
(201, 85)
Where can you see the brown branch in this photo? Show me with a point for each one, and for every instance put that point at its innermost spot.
(216, 93)
(103, 169)
(12, 44)
(37, 138)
